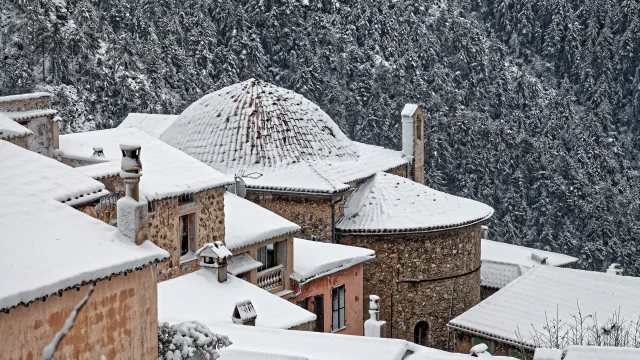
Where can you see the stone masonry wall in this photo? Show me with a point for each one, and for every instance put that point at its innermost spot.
(120, 321)
(429, 256)
(19, 141)
(45, 136)
(35, 103)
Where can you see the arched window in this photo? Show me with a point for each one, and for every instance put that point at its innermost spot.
(421, 333)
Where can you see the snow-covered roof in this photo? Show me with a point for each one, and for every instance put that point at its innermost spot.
(256, 126)
(42, 177)
(388, 203)
(74, 248)
(200, 296)
(242, 263)
(167, 171)
(546, 292)
(153, 124)
(312, 259)
(246, 223)
(215, 250)
(289, 345)
(502, 263)
(9, 128)
(18, 97)
(30, 114)
(601, 353)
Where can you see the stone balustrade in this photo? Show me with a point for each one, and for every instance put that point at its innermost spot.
(271, 278)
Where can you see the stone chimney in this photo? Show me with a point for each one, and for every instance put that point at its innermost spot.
(413, 141)
(244, 313)
(132, 214)
(374, 327)
(214, 257)
(615, 269)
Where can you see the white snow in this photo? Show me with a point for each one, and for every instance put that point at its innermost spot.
(167, 172)
(503, 263)
(29, 96)
(547, 354)
(255, 126)
(21, 115)
(200, 296)
(544, 292)
(390, 203)
(601, 353)
(290, 344)
(153, 124)
(241, 263)
(312, 259)
(9, 128)
(35, 175)
(247, 223)
(48, 246)
(409, 110)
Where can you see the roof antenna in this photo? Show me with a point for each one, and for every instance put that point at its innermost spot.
(239, 187)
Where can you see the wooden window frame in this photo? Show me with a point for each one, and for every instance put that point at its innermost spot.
(340, 309)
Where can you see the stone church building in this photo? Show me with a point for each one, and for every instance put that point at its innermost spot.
(297, 162)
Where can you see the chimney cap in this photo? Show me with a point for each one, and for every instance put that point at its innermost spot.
(216, 250)
(244, 312)
(129, 147)
(130, 158)
(410, 109)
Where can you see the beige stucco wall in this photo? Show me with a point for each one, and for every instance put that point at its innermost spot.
(351, 278)
(119, 321)
(426, 256)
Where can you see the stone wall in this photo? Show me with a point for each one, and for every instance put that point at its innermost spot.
(19, 140)
(45, 135)
(119, 321)
(26, 104)
(351, 278)
(464, 342)
(308, 326)
(430, 277)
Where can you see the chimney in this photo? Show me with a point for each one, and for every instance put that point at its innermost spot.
(97, 152)
(214, 257)
(244, 313)
(615, 269)
(374, 327)
(539, 258)
(132, 213)
(485, 232)
(413, 141)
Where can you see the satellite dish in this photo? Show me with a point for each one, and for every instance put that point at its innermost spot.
(240, 187)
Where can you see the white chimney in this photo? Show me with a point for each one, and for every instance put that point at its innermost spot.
(244, 313)
(97, 152)
(413, 141)
(485, 232)
(539, 258)
(374, 327)
(214, 257)
(615, 269)
(132, 214)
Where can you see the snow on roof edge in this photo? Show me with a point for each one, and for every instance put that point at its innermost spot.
(34, 95)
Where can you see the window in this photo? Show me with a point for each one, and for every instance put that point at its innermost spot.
(421, 333)
(152, 206)
(303, 303)
(318, 309)
(478, 340)
(187, 236)
(186, 199)
(516, 353)
(267, 256)
(337, 308)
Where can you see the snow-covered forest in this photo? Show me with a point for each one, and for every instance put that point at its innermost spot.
(532, 106)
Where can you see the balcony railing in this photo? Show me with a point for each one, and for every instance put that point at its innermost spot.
(271, 278)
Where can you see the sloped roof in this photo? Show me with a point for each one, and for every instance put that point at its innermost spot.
(546, 292)
(256, 126)
(152, 124)
(503, 263)
(313, 259)
(166, 171)
(388, 203)
(601, 353)
(210, 301)
(289, 345)
(9, 128)
(30, 114)
(48, 246)
(247, 223)
(43, 177)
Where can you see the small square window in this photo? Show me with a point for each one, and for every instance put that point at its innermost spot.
(186, 199)
(337, 308)
(187, 237)
(152, 207)
(303, 303)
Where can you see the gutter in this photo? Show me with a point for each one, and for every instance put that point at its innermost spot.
(426, 231)
(491, 337)
(333, 271)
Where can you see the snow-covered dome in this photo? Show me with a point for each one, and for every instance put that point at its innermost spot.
(254, 123)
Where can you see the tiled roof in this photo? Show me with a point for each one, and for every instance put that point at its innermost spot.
(167, 171)
(9, 128)
(30, 114)
(546, 292)
(43, 177)
(389, 203)
(152, 124)
(503, 263)
(255, 126)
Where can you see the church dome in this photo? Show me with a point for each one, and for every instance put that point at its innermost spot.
(254, 123)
